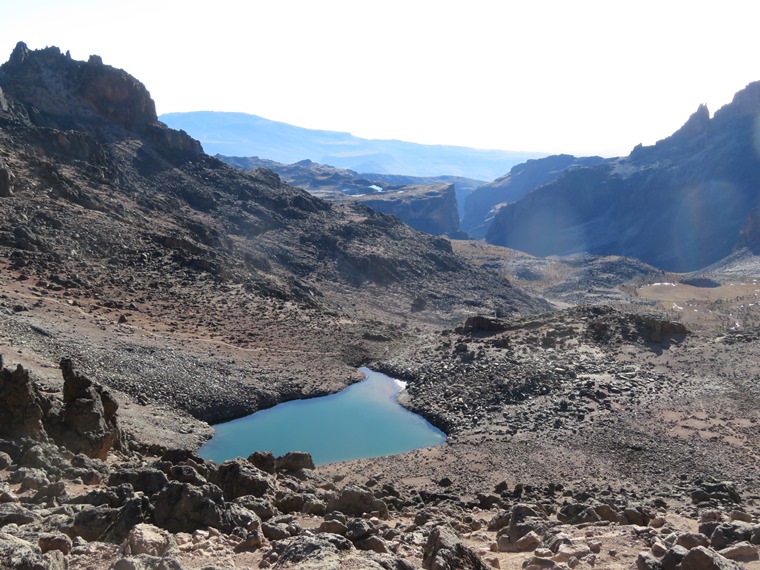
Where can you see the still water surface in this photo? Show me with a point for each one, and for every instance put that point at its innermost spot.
(364, 420)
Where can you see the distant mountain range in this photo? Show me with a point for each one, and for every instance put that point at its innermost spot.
(681, 204)
(240, 134)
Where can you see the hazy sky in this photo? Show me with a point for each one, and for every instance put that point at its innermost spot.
(584, 77)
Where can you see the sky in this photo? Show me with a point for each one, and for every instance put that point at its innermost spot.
(583, 76)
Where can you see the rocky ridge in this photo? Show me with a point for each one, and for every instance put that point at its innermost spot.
(679, 205)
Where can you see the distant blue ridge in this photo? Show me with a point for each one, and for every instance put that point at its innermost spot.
(244, 135)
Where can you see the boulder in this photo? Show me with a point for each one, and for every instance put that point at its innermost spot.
(91, 524)
(332, 527)
(525, 543)
(23, 406)
(444, 551)
(147, 562)
(261, 507)
(646, 561)
(135, 511)
(148, 539)
(186, 474)
(144, 479)
(358, 529)
(263, 460)
(691, 540)
(50, 541)
(181, 507)
(577, 513)
(238, 478)
(294, 460)
(702, 558)
(355, 501)
(524, 520)
(673, 557)
(20, 554)
(13, 513)
(740, 551)
(252, 541)
(729, 533)
(87, 422)
(313, 552)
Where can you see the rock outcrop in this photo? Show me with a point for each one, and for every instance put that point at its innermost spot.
(83, 422)
(23, 407)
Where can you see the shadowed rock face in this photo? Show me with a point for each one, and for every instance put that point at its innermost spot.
(485, 201)
(679, 205)
(88, 418)
(428, 208)
(84, 422)
(22, 412)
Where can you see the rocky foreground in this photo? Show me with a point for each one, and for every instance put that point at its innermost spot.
(76, 494)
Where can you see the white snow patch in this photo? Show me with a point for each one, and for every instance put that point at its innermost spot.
(401, 384)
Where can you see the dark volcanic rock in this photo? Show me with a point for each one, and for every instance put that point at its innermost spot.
(181, 507)
(87, 423)
(293, 461)
(238, 478)
(23, 406)
(444, 551)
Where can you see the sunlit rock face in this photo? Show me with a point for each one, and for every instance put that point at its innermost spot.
(680, 204)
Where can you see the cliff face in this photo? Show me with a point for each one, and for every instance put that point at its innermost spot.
(680, 204)
(428, 206)
(484, 202)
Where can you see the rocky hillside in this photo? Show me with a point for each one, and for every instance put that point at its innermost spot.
(681, 204)
(428, 207)
(485, 201)
(111, 215)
